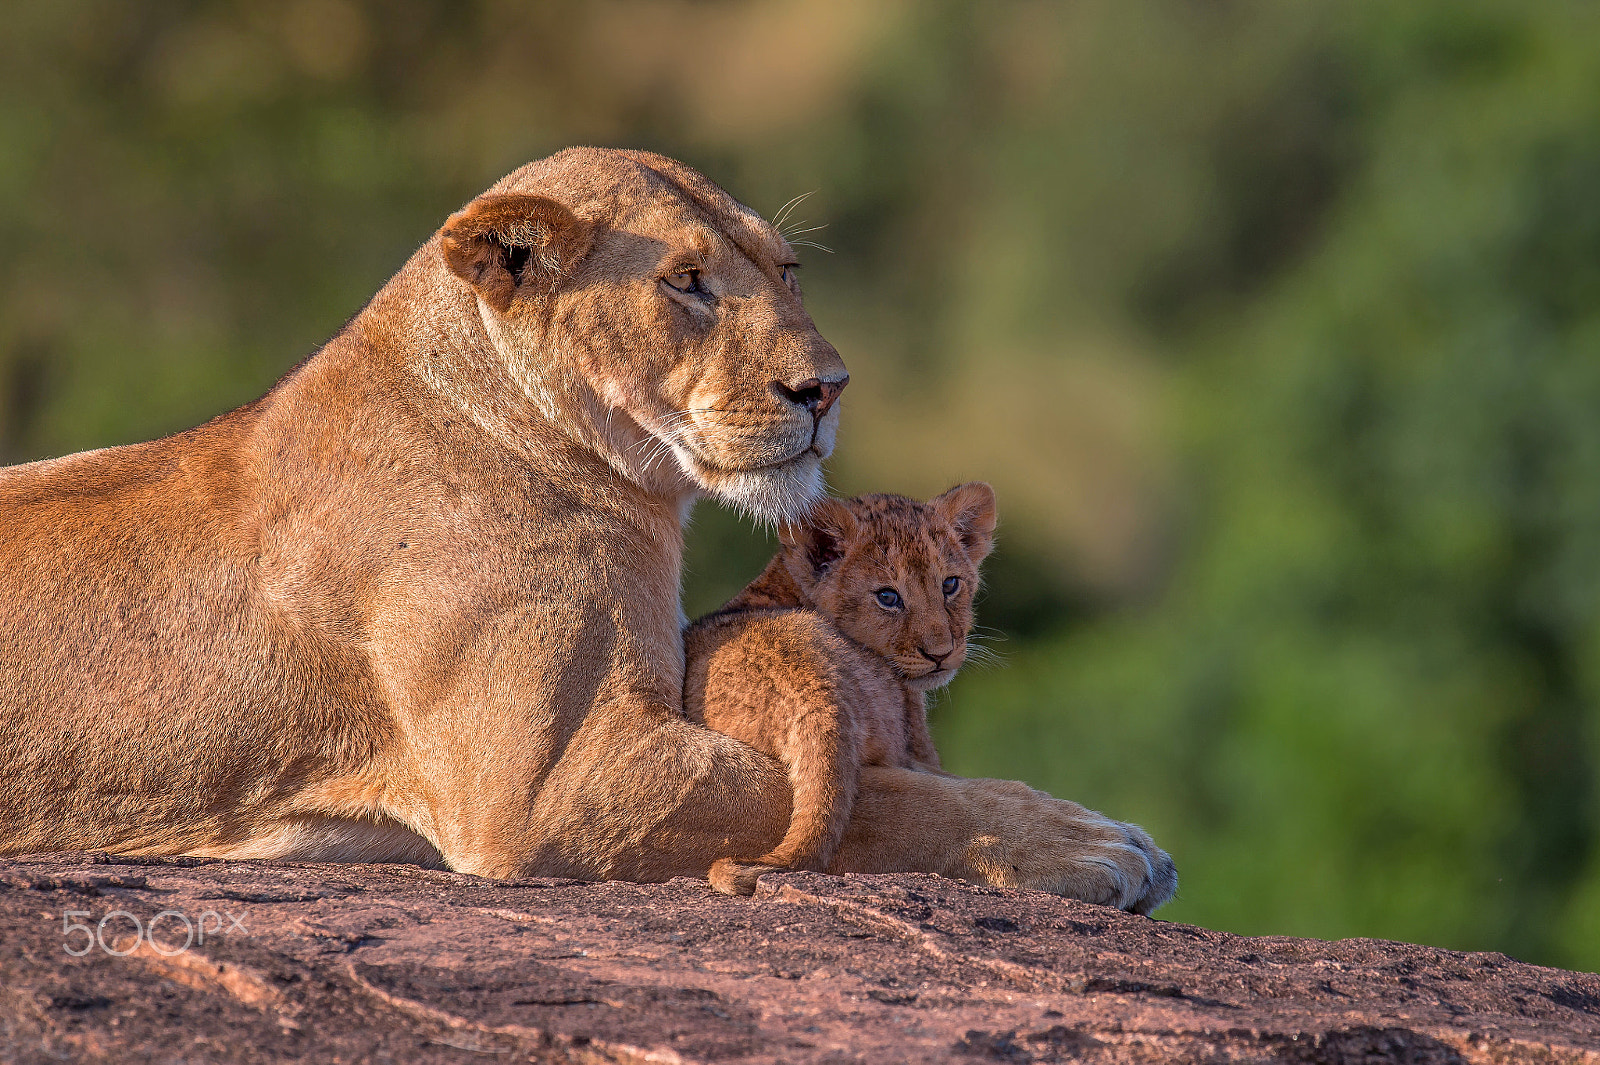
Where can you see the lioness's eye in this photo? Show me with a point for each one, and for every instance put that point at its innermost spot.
(685, 280)
(952, 585)
(888, 598)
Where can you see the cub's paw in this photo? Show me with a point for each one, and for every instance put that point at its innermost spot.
(734, 877)
(1033, 842)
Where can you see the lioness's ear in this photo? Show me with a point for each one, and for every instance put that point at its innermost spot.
(816, 543)
(969, 508)
(499, 242)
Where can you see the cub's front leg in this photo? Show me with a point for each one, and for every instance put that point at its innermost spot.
(783, 682)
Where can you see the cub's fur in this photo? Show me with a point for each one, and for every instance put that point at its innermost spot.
(895, 577)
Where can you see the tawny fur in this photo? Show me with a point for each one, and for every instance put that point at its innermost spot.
(896, 579)
(421, 601)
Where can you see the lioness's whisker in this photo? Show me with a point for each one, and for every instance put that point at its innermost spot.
(720, 426)
(662, 449)
(679, 415)
(673, 420)
(657, 447)
(783, 212)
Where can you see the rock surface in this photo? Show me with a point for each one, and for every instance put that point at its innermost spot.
(335, 963)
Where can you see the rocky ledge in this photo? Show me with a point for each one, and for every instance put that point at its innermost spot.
(131, 960)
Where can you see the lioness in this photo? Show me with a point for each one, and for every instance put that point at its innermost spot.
(420, 602)
(895, 578)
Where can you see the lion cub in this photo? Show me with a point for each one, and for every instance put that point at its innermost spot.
(894, 580)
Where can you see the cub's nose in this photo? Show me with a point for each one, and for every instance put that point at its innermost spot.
(815, 394)
(937, 660)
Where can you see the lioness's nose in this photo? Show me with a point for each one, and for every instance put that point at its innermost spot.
(814, 393)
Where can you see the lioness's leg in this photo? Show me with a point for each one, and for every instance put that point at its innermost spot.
(670, 799)
(643, 794)
(1003, 833)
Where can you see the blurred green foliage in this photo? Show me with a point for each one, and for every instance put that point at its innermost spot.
(1276, 325)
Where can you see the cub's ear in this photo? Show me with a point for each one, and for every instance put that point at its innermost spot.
(498, 243)
(969, 508)
(812, 546)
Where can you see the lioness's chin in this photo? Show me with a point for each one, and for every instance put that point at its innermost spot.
(771, 494)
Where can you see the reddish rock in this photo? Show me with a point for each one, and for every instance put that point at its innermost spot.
(337, 963)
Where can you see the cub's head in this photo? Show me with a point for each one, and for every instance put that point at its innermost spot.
(645, 312)
(897, 576)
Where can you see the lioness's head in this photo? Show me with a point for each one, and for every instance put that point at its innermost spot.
(895, 575)
(642, 308)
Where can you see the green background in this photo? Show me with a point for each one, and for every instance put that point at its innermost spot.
(1276, 326)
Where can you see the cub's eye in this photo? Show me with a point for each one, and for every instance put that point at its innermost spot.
(687, 280)
(788, 273)
(952, 585)
(888, 598)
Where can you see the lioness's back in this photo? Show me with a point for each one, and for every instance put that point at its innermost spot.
(111, 738)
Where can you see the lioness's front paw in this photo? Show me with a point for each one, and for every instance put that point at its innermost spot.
(1042, 844)
(1163, 870)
